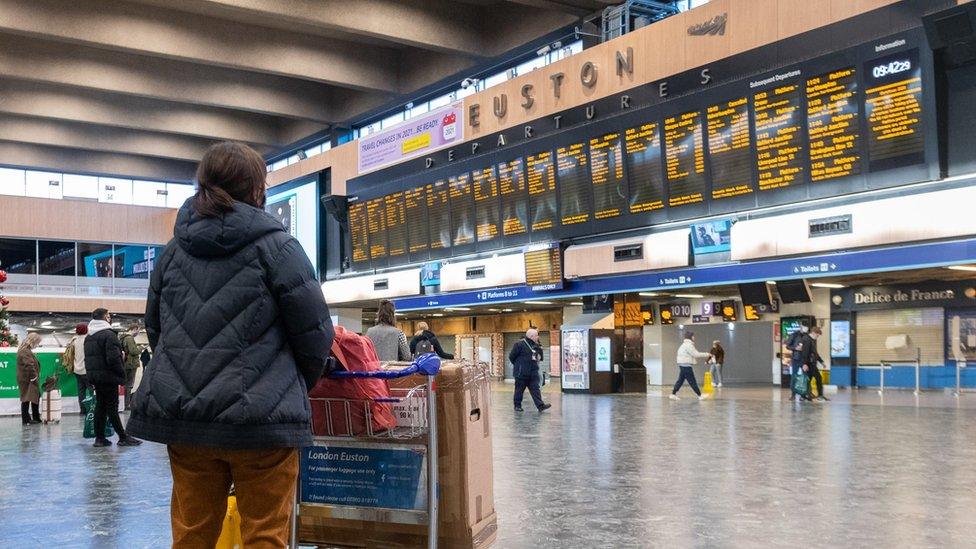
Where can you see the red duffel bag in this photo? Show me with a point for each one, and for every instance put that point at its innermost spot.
(340, 407)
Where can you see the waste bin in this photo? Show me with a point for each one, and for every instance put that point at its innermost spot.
(634, 377)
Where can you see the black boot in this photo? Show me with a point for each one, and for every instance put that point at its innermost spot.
(36, 412)
(25, 413)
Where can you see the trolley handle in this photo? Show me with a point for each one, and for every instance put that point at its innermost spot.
(428, 365)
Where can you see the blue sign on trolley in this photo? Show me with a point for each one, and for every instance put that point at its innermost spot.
(389, 478)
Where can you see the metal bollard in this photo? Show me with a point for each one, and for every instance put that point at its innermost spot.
(960, 364)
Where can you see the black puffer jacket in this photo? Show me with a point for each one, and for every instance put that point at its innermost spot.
(103, 355)
(239, 329)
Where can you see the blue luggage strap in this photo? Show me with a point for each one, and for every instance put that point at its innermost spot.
(427, 365)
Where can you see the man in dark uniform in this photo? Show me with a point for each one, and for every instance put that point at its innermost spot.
(809, 360)
(525, 357)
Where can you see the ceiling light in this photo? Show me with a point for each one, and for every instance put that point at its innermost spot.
(971, 268)
(689, 296)
(649, 294)
(538, 302)
(506, 310)
(828, 285)
(577, 303)
(457, 308)
(437, 314)
(771, 282)
(46, 323)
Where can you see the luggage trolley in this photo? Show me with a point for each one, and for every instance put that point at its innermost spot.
(415, 434)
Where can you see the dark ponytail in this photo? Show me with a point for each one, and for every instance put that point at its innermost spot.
(229, 172)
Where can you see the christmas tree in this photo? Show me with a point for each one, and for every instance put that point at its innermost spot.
(6, 338)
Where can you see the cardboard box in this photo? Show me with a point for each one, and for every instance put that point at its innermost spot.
(467, 504)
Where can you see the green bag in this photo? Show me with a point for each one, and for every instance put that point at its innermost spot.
(801, 383)
(89, 404)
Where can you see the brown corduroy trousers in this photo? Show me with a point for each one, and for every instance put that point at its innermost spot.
(264, 481)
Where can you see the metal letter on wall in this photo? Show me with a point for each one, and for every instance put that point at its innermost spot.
(500, 104)
(713, 27)
(588, 74)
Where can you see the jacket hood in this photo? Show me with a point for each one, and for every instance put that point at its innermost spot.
(95, 326)
(221, 236)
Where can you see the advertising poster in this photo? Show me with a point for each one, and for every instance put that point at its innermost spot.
(378, 476)
(602, 348)
(297, 209)
(707, 238)
(50, 360)
(435, 130)
(840, 339)
(576, 360)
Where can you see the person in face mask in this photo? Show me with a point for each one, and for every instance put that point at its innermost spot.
(809, 360)
(795, 346)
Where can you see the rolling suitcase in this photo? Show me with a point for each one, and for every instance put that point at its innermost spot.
(51, 406)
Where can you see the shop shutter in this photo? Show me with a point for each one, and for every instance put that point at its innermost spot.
(924, 328)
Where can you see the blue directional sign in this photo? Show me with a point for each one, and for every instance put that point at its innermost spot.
(841, 263)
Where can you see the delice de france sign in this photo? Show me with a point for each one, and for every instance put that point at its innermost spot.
(433, 131)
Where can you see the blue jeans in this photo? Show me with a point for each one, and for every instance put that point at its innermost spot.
(687, 373)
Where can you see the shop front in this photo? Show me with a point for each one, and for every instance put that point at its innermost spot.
(922, 331)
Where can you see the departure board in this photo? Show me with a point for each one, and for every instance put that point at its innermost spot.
(818, 128)
(684, 153)
(541, 180)
(439, 215)
(359, 232)
(488, 226)
(462, 209)
(730, 148)
(511, 186)
(643, 153)
(893, 104)
(415, 208)
(779, 139)
(544, 267)
(377, 228)
(610, 195)
(833, 125)
(396, 225)
(572, 181)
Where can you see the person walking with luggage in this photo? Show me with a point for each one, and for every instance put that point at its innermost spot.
(717, 361)
(688, 355)
(427, 342)
(28, 372)
(131, 352)
(809, 360)
(525, 357)
(239, 330)
(103, 362)
(388, 340)
(795, 345)
(77, 344)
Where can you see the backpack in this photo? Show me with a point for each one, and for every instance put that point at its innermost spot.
(329, 397)
(424, 347)
(68, 357)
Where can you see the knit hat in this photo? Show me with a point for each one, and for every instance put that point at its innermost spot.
(81, 329)
(689, 334)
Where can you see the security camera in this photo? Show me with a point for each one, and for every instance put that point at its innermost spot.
(544, 50)
(468, 82)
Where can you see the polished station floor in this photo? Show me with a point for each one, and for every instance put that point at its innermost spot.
(745, 469)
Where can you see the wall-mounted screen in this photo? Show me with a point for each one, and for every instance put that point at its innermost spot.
(297, 208)
(544, 267)
(716, 236)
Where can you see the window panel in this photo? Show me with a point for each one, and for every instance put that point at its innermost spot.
(43, 184)
(149, 193)
(114, 191)
(531, 65)
(95, 260)
(56, 258)
(441, 101)
(12, 182)
(391, 121)
(495, 79)
(80, 186)
(420, 109)
(178, 193)
(18, 256)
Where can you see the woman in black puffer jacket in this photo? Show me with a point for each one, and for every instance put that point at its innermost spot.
(239, 330)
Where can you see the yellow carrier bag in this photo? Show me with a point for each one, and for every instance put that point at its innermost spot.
(230, 534)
